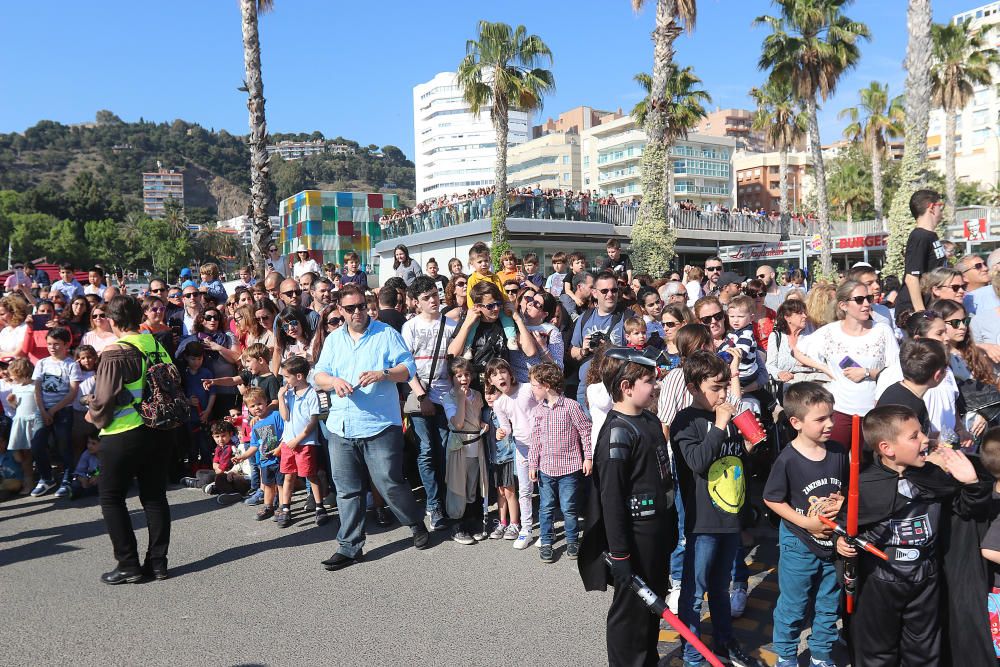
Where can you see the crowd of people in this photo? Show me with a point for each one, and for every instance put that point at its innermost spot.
(659, 416)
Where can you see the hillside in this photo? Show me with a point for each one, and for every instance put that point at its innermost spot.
(114, 153)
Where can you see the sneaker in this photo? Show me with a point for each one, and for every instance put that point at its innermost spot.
(437, 520)
(513, 530)
(42, 488)
(813, 662)
(499, 530)
(189, 482)
(265, 513)
(545, 553)
(737, 601)
(523, 540)
(462, 537)
(283, 518)
(321, 516)
(229, 498)
(788, 662)
(310, 505)
(255, 498)
(480, 535)
(674, 596)
(572, 551)
(734, 654)
(209, 488)
(64, 491)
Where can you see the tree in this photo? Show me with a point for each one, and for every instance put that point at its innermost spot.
(873, 122)
(913, 170)
(811, 45)
(779, 115)
(104, 240)
(288, 177)
(685, 107)
(962, 59)
(260, 223)
(653, 240)
(500, 71)
(850, 188)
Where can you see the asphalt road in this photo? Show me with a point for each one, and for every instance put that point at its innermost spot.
(248, 593)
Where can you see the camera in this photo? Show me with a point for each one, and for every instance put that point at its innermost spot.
(598, 338)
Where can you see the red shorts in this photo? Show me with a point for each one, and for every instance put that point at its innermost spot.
(301, 461)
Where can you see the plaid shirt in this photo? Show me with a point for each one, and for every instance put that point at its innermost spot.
(560, 438)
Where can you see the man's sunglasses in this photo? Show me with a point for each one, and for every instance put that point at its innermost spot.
(761, 276)
(715, 317)
(976, 266)
(191, 295)
(352, 308)
(713, 268)
(294, 292)
(608, 290)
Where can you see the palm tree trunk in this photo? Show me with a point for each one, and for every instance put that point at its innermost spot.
(825, 229)
(652, 246)
(849, 209)
(877, 182)
(950, 182)
(500, 118)
(783, 180)
(260, 224)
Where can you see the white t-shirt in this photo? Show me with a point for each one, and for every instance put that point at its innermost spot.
(420, 336)
(88, 380)
(12, 339)
(301, 268)
(55, 376)
(599, 403)
(875, 349)
(694, 292)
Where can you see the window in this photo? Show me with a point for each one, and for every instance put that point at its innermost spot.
(565, 177)
(979, 118)
(982, 98)
(565, 159)
(979, 136)
(772, 170)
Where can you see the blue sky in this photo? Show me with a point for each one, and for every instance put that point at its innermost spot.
(348, 68)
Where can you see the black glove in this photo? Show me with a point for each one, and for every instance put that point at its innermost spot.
(621, 570)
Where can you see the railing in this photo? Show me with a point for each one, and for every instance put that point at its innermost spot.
(811, 227)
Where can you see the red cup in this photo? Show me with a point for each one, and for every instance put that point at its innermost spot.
(749, 427)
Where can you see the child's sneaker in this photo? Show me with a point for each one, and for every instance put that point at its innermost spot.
(310, 505)
(572, 551)
(480, 536)
(545, 553)
(283, 518)
(523, 540)
(737, 601)
(189, 482)
(789, 662)
(255, 498)
(462, 537)
(229, 498)
(321, 516)
(42, 488)
(499, 530)
(64, 491)
(209, 488)
(674, 597)
(265, 513)
(513, 530)
(813, 662)
(733, 654)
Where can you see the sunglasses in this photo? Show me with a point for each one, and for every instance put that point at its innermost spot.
(608, 290)
(175, 295)
(261, 318)
(191, 295)
(272, 250)
(290, 324)
(954, 324)
(101, 316)
(294, 292)
(461, 284)
(761, 276)
(510, 292)
(153, 309)
(490, 306)
(335, 321)
(713, 268)
(753, 294)
(958, 288)
(210, 318)
(671, 325)
(715, 317)
(352, 308)
(158, 289)
(976, 266)
(861, 299)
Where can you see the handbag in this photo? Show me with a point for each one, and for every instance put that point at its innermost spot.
(411, 406)
(980, 397)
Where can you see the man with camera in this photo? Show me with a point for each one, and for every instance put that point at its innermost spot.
(596, 326)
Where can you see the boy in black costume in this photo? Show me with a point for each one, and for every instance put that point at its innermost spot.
(901, 501)
(631, 513)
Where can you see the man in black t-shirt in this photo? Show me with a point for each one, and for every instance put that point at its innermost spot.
(924, 251)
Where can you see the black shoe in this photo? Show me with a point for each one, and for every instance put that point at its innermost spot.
(158, 572)
(310, 504)
(283, 518)
(339, 561)
(321, 516)
(421, 538)
(545, 553)
(572, 551)
(733, 654)
(383, 516)
(117, 576)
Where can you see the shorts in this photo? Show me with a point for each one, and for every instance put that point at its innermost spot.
(270, 475)
(505, 474)
(302, 461)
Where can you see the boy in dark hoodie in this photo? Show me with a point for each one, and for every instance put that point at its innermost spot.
(901, 503)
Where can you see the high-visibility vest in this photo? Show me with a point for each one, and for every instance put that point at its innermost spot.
(126, 417)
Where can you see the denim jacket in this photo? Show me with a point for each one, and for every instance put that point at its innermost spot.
(502, 451)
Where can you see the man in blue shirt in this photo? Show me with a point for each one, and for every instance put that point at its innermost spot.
(601, 324)
(360, 365)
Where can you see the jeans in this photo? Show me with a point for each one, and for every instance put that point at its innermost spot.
(564, 490)
(741, 573)
(677, 557)
(708, 562)
(804, 577)
(382, 454)
(61, 428)
(254, 476)
(138, 453)
(432, 432)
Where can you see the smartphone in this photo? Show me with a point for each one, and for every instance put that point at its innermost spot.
(847, 362)
(40, 321)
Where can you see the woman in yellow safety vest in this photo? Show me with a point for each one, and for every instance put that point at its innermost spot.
(129, 449)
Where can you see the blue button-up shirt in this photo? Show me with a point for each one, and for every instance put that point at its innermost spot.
(367, 411)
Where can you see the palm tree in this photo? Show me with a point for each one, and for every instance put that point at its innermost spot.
(260, 223)
(811, 45)
(850, 188)
(873, 122)
(500, 71)
(685, 108)
(653, 240)
(961, 60)
(913, 167)
(779, 115)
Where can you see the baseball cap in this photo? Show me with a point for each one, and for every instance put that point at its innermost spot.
(185, 272)
(730, 278)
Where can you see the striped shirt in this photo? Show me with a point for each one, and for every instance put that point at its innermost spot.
(560, 438)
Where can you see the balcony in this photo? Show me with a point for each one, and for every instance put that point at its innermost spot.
(628, 155)
(608, 177)
(622, 139)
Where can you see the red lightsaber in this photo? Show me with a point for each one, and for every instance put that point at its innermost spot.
(856, 542)
(658, 607)
(850, 566)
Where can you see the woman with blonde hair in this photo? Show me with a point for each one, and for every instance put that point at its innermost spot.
(693, 277)
(821, 305)
(249, 329)
(943, 283)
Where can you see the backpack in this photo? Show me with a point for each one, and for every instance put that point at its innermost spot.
(163, 405)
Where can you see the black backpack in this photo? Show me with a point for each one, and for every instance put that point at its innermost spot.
(163, 405)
